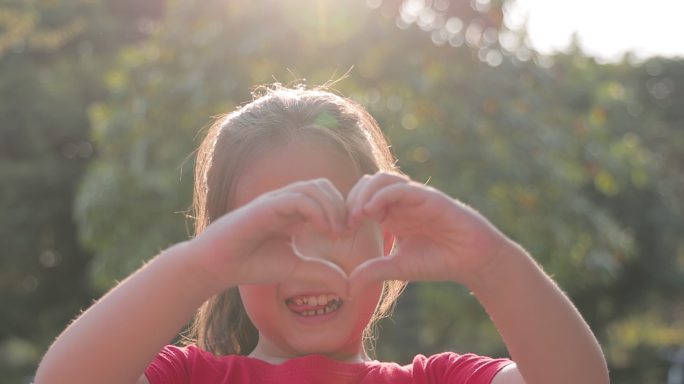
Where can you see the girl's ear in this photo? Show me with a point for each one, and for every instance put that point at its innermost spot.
(388, 241)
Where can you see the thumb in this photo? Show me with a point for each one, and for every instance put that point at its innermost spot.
(373, 270)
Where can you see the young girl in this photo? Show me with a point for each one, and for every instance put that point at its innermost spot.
(305, 232)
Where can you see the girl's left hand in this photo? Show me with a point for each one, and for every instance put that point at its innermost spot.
(437, 237)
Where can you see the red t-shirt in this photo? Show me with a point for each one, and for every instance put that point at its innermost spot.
(189, 365)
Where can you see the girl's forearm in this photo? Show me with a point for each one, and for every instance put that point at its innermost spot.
(114, 340)
(545, 335)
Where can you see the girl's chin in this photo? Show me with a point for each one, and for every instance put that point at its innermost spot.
(328, 345)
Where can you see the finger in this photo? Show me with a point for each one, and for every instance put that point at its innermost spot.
(338, 209)
(368, 189)
(330, 199)
(352, 196)
(374, 270)
(320, 271)
(297, 206)
(402, 195)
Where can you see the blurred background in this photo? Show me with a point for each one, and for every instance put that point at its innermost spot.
(578, 156)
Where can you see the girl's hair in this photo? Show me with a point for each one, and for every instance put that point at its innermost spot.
(276, 115)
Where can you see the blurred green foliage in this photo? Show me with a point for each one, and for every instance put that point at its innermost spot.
(103, 103)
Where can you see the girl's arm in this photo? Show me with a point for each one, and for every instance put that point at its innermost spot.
(544, 333)
(115, 340)
(439, 238)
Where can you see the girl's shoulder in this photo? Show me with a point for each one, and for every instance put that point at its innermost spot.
(451, 366)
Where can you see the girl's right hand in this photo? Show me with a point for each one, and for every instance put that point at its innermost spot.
(251, 244)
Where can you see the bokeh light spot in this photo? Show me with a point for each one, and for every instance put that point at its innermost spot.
(421, 154)
(324, 21)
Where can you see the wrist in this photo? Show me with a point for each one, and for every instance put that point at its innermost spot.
(196, 273)
(501, 270)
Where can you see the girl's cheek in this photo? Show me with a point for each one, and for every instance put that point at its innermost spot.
(256, 300)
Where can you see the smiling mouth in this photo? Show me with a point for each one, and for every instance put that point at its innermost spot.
(314, 305)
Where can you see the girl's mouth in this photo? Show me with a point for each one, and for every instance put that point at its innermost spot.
(314, 305)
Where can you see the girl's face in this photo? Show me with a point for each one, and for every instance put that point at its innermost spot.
(288, 327)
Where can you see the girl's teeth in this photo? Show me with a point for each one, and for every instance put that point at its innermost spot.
(329, 307)
(315, 300)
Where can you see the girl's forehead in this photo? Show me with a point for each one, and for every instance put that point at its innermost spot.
(278, 167)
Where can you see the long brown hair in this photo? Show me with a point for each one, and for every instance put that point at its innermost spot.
(277, 113)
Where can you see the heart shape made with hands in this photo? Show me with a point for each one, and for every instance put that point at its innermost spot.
(344, 254)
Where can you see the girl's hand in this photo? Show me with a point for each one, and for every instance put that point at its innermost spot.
(250, 245)
(437, 237)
